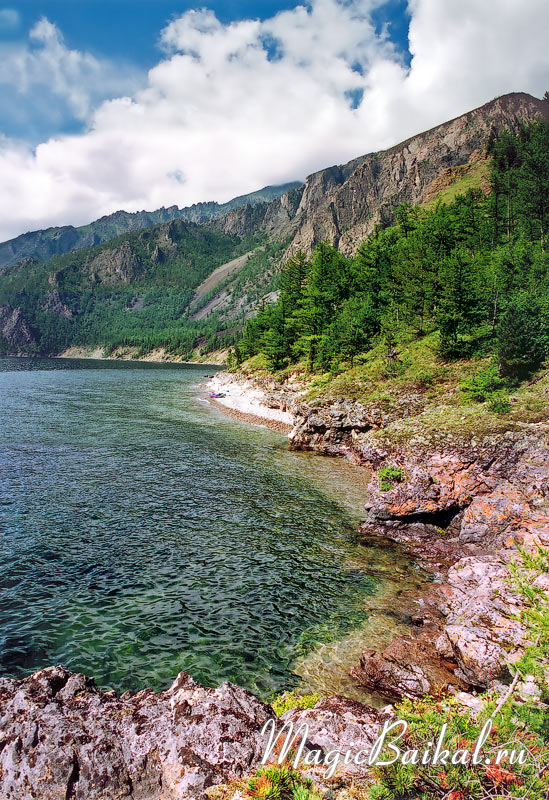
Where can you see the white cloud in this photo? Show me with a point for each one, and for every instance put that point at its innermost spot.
(233, 107)
(43, 81)
(9, 19)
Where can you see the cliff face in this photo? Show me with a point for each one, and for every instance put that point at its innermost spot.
(343, 204)
(15, 333)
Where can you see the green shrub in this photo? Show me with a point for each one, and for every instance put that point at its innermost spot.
(425, 378)
(278, 782)
(499, 403)
(482, 384)
(388, 476)
(288, 700)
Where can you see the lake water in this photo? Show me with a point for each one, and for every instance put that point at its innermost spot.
(142, 533)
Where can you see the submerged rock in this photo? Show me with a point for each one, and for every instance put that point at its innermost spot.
(61, 738)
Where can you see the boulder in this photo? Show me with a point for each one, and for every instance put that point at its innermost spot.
(62, 738)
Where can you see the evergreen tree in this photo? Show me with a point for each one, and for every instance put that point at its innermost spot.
(459, 303)
(506, 155)
(523, 334)
(534, 178)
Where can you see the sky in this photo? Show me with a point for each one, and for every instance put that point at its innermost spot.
(109, 104)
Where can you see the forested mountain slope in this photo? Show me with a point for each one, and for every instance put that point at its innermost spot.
(465, 282)
(133, 290)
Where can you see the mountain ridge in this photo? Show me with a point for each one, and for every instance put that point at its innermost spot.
(343, 203)
(48, 242)
(139, 288)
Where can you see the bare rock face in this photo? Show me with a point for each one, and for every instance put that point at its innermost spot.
(330, 430)
(342, 205)
(53, 304)
(61, 738)
(15, 331)
(338, 724)
(464, 510)
(481, 623)
(117, 265)
(408, 667)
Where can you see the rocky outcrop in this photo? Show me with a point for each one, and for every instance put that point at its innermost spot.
(461, 504)
(338, 724)
(116, 265)
(15, 333)
(463, 511)
(53, 304)
(331, 429)
(61, 737)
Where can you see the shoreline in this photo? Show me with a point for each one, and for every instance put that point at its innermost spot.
(127, 354)
(459, 507)
(85, 356)
(455, 508)
(249, 403)
(250, 419)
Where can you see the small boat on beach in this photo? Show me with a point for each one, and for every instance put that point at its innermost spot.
(215, 395)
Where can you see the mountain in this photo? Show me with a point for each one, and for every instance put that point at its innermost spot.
(44, 244)
(343, 204)
(135, 289)
(179, 283)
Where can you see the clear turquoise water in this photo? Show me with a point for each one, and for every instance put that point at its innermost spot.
(141, 533)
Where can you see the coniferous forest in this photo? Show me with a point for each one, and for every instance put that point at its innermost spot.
(475, 270)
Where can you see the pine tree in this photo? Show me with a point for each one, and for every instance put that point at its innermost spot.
(522, 340)
(458, 305)
(534, 178)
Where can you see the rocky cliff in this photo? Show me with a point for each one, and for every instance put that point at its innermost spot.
(15, 333)
(343, 204)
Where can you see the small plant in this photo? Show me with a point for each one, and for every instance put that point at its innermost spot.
(288, 700)
(280, 783)
(499, 403)
(389, 476)
(482, 384)
(425, 378)
(321, 380)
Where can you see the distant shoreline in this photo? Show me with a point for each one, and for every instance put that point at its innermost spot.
(84, 354)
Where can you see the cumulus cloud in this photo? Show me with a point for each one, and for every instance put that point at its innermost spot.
(230, 108)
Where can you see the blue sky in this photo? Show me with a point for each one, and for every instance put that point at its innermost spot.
(130, 28)
(136, 104)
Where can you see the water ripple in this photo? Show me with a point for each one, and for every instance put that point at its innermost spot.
(141, 534)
